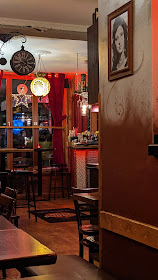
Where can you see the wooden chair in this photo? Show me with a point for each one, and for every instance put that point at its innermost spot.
(6, 205)
(13, 193)
(85, 229)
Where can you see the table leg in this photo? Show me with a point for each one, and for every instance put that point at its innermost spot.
(3, 180)
(39, 173)
(2, 162)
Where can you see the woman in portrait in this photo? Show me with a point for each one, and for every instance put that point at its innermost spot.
(119, 44)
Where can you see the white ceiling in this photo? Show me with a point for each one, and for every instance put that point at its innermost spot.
(63, 57)
(78, 12)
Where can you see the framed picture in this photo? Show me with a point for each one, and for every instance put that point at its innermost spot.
(120, 42)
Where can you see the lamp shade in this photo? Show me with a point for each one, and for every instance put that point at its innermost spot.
(40, 87)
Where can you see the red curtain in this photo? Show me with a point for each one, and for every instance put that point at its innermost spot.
(56, 96)
(78, 121)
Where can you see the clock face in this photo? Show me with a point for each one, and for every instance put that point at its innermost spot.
(22, 62)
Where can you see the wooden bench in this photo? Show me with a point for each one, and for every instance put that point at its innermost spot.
(67, 268)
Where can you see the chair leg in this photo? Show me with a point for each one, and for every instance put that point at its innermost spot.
(81, 250)
(67, 186)
(26, 182)
(16, 223)
(34, 201)
(4, 273)
(50, 185)
(15, 205)
(28, 196)
(62, 177)
(90, 251)
(55, 185)
(80, 245)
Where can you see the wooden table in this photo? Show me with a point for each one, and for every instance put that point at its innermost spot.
(54, 277)
(90, 198)
(5, 224)
(39, 151)
(18, 249)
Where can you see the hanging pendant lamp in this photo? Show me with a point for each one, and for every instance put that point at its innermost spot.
(40, 86)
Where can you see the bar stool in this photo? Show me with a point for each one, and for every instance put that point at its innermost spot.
(20, 162)
(58, 169)
(28, 179)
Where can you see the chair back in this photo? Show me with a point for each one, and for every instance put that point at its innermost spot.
(11, 192)
(84, 212)
(78, 214)
(6, 205)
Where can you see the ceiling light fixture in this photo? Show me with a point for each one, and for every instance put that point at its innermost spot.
(82, 93)
(40, 86)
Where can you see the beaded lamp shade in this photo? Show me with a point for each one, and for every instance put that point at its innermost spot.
(40, 87)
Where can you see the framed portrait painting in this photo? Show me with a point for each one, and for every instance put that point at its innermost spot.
(120, 42)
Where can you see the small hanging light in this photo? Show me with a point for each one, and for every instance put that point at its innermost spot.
(40, 86)
(84, 110)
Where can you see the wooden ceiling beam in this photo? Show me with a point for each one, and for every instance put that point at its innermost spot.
(44, 29)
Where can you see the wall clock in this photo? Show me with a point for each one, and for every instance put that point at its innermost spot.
(22, 62)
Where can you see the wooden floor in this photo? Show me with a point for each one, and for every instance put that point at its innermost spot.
(60, 237)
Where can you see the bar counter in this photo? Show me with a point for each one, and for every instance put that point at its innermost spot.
(79, 157)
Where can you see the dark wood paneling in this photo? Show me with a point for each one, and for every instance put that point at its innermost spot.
(128, 260)
(93, 63)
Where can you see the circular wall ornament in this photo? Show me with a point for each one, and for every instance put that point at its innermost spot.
(22, 62)
(22, 89)
(3, 61)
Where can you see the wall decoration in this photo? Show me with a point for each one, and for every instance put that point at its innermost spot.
(3, 61)
(22, 62)
(21, 98)
(120, 42)
(22, 89)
